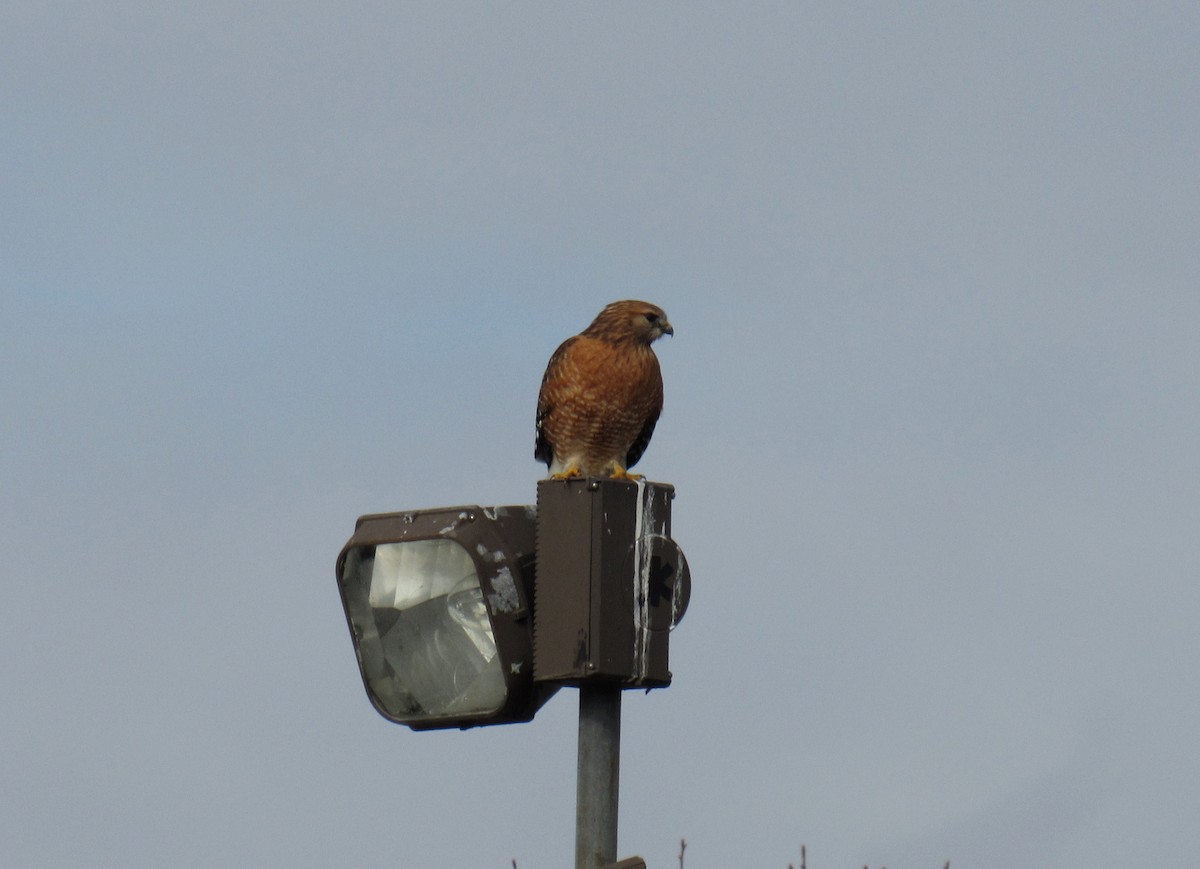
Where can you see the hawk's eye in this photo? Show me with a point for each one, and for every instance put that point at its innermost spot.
(652, 318)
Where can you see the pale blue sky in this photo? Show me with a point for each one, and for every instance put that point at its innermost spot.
(931, 414)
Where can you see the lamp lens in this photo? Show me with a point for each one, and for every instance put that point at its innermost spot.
(424, 636)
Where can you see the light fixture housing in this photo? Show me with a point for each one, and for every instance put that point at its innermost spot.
(611, 583)
(440, 608)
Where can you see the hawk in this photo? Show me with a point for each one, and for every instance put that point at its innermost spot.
(602, 394)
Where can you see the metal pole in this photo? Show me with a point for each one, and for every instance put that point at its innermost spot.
(599, 775)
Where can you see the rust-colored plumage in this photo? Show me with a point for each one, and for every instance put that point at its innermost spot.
(602, 394)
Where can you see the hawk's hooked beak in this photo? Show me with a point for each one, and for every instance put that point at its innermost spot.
(664, 328)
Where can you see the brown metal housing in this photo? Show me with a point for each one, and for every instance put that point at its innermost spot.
(500, 541)
(611, 583)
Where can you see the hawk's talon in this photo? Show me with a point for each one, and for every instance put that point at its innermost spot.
(623, 474)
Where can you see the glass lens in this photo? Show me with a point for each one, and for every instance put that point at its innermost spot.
(423, 630)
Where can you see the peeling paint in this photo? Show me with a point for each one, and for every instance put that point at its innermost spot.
(462, 517)
(489, 555)
(643, 525)
(504, 597)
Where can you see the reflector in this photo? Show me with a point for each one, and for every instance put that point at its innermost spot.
(439, 606)
(424, 634)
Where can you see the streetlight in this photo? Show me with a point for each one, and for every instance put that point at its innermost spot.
(438, 605)
(470, 616)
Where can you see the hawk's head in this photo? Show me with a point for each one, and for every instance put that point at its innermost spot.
(630, 320)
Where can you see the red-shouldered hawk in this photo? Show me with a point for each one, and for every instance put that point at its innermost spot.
(602, 394)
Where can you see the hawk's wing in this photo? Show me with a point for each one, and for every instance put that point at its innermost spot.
(543, 450)
(643, 439)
